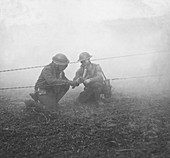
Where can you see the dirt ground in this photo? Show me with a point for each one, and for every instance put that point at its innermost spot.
(127, 127)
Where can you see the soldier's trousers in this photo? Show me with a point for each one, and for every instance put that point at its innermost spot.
(91, 93)
(50, 98)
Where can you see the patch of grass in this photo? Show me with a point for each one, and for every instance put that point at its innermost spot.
(127, 127)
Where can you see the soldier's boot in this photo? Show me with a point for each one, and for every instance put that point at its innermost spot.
(34, 96)
(32, 104)
(29, 103)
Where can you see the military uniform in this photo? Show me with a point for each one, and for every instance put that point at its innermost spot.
(52, 83)
(93, 89)
(48, 91)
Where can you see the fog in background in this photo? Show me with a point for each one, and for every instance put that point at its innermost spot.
(33, 31)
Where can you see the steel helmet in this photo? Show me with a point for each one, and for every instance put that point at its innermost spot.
(60, 59)
(84, 56)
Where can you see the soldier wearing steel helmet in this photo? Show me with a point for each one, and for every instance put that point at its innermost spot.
(91, 76)
(52, 83)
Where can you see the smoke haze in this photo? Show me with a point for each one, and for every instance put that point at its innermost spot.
(31, 32)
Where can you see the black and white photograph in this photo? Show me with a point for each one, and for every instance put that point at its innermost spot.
(84, 78)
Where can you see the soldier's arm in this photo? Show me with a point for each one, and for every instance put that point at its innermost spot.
(77, 75)
(78, 78)
(51, 79)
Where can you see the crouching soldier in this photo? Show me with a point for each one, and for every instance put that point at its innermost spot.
(91, 76)
(52, 83)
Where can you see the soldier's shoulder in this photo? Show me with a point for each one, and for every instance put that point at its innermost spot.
(95, 65)
(47, 67)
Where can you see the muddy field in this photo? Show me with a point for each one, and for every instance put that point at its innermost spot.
(127, 127)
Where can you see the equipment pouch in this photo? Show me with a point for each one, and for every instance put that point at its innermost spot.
(107, 88)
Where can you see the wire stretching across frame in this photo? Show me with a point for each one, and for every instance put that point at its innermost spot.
(123, 78)
(107, 58)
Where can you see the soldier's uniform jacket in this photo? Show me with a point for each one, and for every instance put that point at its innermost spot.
(49, 77)
(92, 72)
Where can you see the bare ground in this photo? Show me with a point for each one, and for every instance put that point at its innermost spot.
(128, 127)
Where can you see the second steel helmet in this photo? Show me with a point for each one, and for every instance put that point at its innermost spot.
(60, 59)
(84, 56)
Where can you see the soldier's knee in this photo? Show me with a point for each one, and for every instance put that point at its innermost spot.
(82, 98)
(97, 87)
(65, 88)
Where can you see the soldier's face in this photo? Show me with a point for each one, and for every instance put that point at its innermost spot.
(62, 67)
(85, 62)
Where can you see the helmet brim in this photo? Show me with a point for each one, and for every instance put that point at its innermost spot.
(79, 60)
(60, 63)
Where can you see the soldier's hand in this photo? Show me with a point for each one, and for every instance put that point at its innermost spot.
(87, 81)
(81, 80)
(70, 82)
(75, 84)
